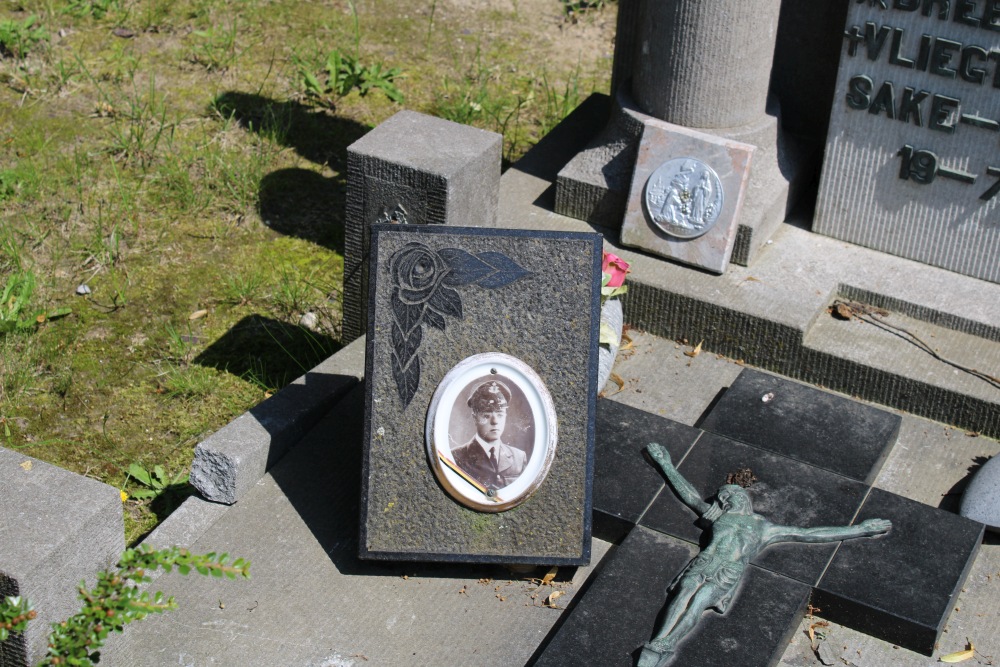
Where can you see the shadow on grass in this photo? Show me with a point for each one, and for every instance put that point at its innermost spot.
(304, 204)
(299, 202)
(267, 352)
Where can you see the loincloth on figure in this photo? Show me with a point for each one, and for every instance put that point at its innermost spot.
(710, 569)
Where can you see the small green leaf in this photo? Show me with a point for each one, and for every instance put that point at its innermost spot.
(140, 474)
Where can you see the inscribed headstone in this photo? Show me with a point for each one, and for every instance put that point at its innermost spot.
(911, 165)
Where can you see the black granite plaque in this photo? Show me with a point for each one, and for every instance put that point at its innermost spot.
(480, 340)
(621, 610)
(626, 483)
(900, 587)
(805, 423)
(786, 492)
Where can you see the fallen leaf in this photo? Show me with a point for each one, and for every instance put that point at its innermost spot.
(198, 314)
(842, 311)
(617, 379)
(551, 600)
(26, 465)
(695, 352)
(960, 656)
(550, 575)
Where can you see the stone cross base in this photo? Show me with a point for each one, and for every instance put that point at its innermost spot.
(815, 456)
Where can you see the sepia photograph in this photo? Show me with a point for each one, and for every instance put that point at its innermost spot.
(491, 432)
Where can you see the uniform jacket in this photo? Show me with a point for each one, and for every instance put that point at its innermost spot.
(474, 460)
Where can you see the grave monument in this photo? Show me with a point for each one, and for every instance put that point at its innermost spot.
(911, 164)
(413, 169)
(662, 71)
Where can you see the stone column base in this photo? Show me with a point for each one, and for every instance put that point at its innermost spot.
(594, 186)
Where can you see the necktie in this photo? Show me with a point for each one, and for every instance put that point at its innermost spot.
(493, 459)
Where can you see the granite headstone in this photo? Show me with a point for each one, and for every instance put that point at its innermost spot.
(911, 162)
(467, 326)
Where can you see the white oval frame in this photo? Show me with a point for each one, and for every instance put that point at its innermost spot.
(544, 419)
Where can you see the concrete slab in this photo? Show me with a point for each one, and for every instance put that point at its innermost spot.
(231, 460)
(312, 602)
(56, 529)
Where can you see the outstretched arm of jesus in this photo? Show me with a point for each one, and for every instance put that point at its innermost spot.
(867, 528)
(687, 493)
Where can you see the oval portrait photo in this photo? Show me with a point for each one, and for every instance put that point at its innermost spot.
(491, 432)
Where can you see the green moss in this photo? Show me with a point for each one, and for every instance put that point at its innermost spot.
(169, 187)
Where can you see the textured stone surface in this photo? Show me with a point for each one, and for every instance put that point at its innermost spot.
(593, 186)
(405, 513)
(805, 423)
(624, 481)
(56, 529)
(731, 162)
(981, 500)
(620, 610)
(704, 64)
(299, 528)
(786, 492)
(414, 169)
(900, 587)
(231, 460)
(942, 220)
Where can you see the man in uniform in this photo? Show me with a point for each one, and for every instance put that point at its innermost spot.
(487, 459)
(738, 535)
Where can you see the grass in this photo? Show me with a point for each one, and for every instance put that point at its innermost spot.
(169, 157)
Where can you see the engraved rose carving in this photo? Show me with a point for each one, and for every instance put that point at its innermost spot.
(422, 282)
(417, 271)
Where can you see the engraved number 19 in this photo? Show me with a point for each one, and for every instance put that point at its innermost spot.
(918, 165)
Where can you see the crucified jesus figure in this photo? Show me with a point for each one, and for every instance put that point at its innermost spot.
(738, 535)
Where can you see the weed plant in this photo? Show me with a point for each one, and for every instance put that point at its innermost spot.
(163, 159)
(116, 600)
(19, 38)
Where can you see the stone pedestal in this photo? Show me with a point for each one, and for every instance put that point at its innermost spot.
(706, 66)
(413, 169)
(56, 529)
